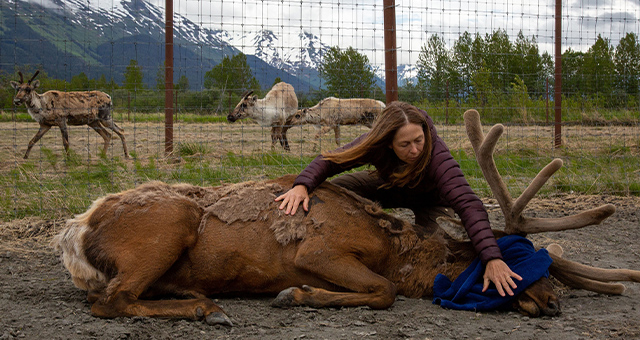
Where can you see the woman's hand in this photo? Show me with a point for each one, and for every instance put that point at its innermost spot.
(502, 277)
(292, 198)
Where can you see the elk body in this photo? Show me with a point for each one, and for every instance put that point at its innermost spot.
(272, 110)
(184, 240)
(57, 108)
(332, 112)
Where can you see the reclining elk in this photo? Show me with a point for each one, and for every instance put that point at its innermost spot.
(185, 240)
(57, 108)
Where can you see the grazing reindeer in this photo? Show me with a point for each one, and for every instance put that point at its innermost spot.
(57, 108)
(332, 112)
(184, 240)
(273, 110)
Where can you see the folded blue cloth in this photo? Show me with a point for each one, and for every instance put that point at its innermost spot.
(465, 292)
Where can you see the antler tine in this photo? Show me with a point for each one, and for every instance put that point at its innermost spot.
(34, 76)
(587, 277)
(21, 78)
(484, 148)
(515, 223)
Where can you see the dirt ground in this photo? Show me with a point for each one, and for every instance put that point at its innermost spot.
(39, 301)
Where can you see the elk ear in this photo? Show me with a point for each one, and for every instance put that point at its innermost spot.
(453, 227)
(35, 84)
(14, 84)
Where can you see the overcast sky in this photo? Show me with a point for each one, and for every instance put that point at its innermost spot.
(360, 23)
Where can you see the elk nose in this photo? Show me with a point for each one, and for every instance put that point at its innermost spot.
(231, 118)
(553, 308)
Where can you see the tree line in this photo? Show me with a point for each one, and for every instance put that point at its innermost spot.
(476, 71)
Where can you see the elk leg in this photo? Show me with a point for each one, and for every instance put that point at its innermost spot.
(112, 125)
(102, 132)
(142, 246)
(43, 129)
(368, 288)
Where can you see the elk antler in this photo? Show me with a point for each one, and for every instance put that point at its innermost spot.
(568, 272)
(34, 76)
(515, 223)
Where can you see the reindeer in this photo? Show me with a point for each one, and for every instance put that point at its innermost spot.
(57, 108)
(273, 110)
(184, 240)
(332, 112)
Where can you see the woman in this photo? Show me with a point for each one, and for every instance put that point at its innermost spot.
(415, 170)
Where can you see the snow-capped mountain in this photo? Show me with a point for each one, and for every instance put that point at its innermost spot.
(100, 37)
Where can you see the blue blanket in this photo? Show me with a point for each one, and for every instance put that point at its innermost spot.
(466, 291)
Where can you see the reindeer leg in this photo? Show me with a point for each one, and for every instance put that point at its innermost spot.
(43, 129)
(276, 135)
(284, 142)
(367, 288)
(336, 132)
(112, 125)
(102, 132)
(168, 227)
(62, 124)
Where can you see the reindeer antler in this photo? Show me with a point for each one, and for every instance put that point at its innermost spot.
(515, 223)
(34, 76)
(21, 78)
(568, 272)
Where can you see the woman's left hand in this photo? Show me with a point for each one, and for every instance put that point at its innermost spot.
(498, 272)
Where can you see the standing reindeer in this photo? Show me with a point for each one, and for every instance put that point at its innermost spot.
(273, 110)
(184, 240)
(57, 108)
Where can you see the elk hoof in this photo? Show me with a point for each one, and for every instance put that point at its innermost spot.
(218, 318)
(285, 298)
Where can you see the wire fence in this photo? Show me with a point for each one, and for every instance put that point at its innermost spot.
(493, 56)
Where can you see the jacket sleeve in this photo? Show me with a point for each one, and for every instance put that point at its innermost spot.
(457, 193)
(320, 169)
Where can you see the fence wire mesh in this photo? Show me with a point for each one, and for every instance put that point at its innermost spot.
(493, 56)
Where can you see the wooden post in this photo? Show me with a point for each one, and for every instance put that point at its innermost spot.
(390, 57)
(168, 79)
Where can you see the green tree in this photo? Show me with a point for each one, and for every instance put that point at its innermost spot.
(599, 68)
(133, 77)
(275, 81)
(347, 74)
(434, 68)
(627, 64)
(80, 82)
(160, 78)
(183, 84)
(572, 72)
(463, 65)
(232, 74)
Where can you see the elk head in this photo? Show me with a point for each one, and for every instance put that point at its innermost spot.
(243, 108)
(24, 90)
(538, 300)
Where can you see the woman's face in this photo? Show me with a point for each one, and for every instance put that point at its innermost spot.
(408, 143)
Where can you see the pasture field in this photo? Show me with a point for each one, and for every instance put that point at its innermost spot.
(598, 160)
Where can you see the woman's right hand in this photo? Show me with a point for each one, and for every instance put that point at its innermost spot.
(292, 198)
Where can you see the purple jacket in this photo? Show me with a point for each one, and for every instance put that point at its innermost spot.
(443, 176)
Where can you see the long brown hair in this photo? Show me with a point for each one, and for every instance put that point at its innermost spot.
(375, 147)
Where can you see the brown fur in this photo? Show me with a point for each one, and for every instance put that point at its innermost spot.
(56, 108)
(160, 239)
